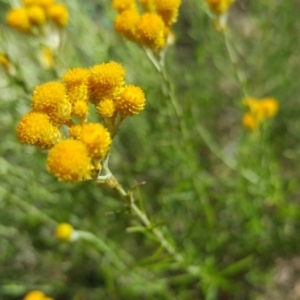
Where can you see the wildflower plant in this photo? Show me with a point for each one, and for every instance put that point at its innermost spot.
(81, 152)
(206, 208)
(148, 22)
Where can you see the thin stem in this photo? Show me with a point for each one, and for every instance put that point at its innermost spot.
(159, 65)
(240, 76)
(128, 197)
(103, 247)
(231, 164)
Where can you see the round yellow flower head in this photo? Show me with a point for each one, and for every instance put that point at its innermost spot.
(150, 30)
(76, 76)
(80, 110)
(50, 98)
(76, 82)
(106, 108)
(59, 14)
(270, 107)
(105, 80)
(96, 138)
(168, 10)
(131, 102)
(75, 131)
(18, 19)
(69, 161)
(64, 231)
(35, 129)
(121, 5)
(219, 7)
(36, 295)
(36, 15)
(125, 23)
(249, 121)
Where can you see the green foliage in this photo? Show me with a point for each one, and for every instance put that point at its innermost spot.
(225, 198)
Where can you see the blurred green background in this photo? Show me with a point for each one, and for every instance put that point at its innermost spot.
(228, 198)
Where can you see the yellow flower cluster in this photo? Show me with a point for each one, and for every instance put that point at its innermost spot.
(59, 123)
(149, 28)
(259, 111)
(35, 13)
(219, 7)
(36, 295)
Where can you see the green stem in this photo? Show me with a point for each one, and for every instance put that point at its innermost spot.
(159, 65)
(128, 197)
(103, 247)
(240, 75)
(231, 164)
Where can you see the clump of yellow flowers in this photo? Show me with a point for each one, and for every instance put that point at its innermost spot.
(36, 295)
(59, 121)
(146, 22)
(259, 110)
(34, 14)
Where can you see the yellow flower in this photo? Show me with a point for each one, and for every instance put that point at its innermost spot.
(105, 80)
(249, 121)
(121, 5)
(125, 23)
(69, 161)
(131, 102)
(270, 107)
(35, 129)
(64, 231)
(36, 295)
(59, 14)
(168, 10)
(76, 82)
(80, 109)
(219, 7)
(150, 31)
(18, 19)
(36, 15)
(75, 131)
(96, 138)
(50, 98)
(106, 108)
(262, 108)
